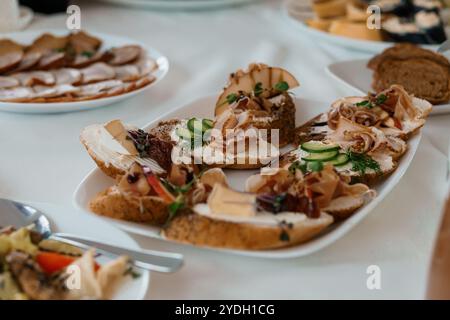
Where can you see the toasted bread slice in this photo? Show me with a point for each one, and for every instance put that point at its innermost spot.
(111, 162)
(116, 205)
(114, 149)
(200, 230)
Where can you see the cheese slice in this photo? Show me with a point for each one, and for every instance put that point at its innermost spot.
(223, 200)
(118, 132)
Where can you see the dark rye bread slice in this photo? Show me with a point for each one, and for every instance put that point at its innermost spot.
(423, 73)
(423, 78)
(405, 51)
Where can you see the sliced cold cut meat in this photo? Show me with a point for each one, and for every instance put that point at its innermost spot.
(146, 65)
(10, 55)
(17, 94)
(81, 42)
(97, 72)
(124, 55)
(98, 88)
(8, 82)
(127, 72)
(52, 60)
(31, 78)
(67, 76)
(30, 59)
(56, 91)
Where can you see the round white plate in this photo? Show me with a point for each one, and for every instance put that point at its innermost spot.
(26, 37)
(69, 220)
(357, 76)
(97, 181)
(178, 4)
(346, 42)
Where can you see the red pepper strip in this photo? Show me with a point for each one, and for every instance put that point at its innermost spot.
(398, 124)
(158, 187)
(52, 262)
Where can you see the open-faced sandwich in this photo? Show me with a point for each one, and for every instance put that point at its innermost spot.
(71, 68)
(38, 269)
(363, 137)
(258, 97)
(254, 112)
(315, 183)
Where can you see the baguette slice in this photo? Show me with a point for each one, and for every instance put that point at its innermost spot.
(95, 139)
(205, 231)
(109, 146)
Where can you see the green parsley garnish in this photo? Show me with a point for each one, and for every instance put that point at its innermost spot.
(297, 165)
(316, 166)
(258, 89)
(174, 208)
(361, 162)
(232, 97)
(284, 236)
(87, 54)
(381, 99)
(365, 103)
(282, 86)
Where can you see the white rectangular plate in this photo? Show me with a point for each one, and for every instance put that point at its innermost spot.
(96, 181)
(356, 75)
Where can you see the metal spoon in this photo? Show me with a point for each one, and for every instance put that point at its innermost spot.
(21, 215)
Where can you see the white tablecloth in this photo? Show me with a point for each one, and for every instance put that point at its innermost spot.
(42, 160)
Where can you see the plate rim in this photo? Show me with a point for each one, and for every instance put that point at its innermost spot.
(73, 106)
(316, 244)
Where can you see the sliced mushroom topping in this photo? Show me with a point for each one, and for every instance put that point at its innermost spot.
(8, 82)
(97, 72)
(125, 54)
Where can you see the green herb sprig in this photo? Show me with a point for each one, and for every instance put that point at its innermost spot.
(362, 162)
(282, 86)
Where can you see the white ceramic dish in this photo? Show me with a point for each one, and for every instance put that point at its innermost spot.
(96, 181)
(355, 44)
(357, 76)
(178, 4)
(69, 220)
(27, 37)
